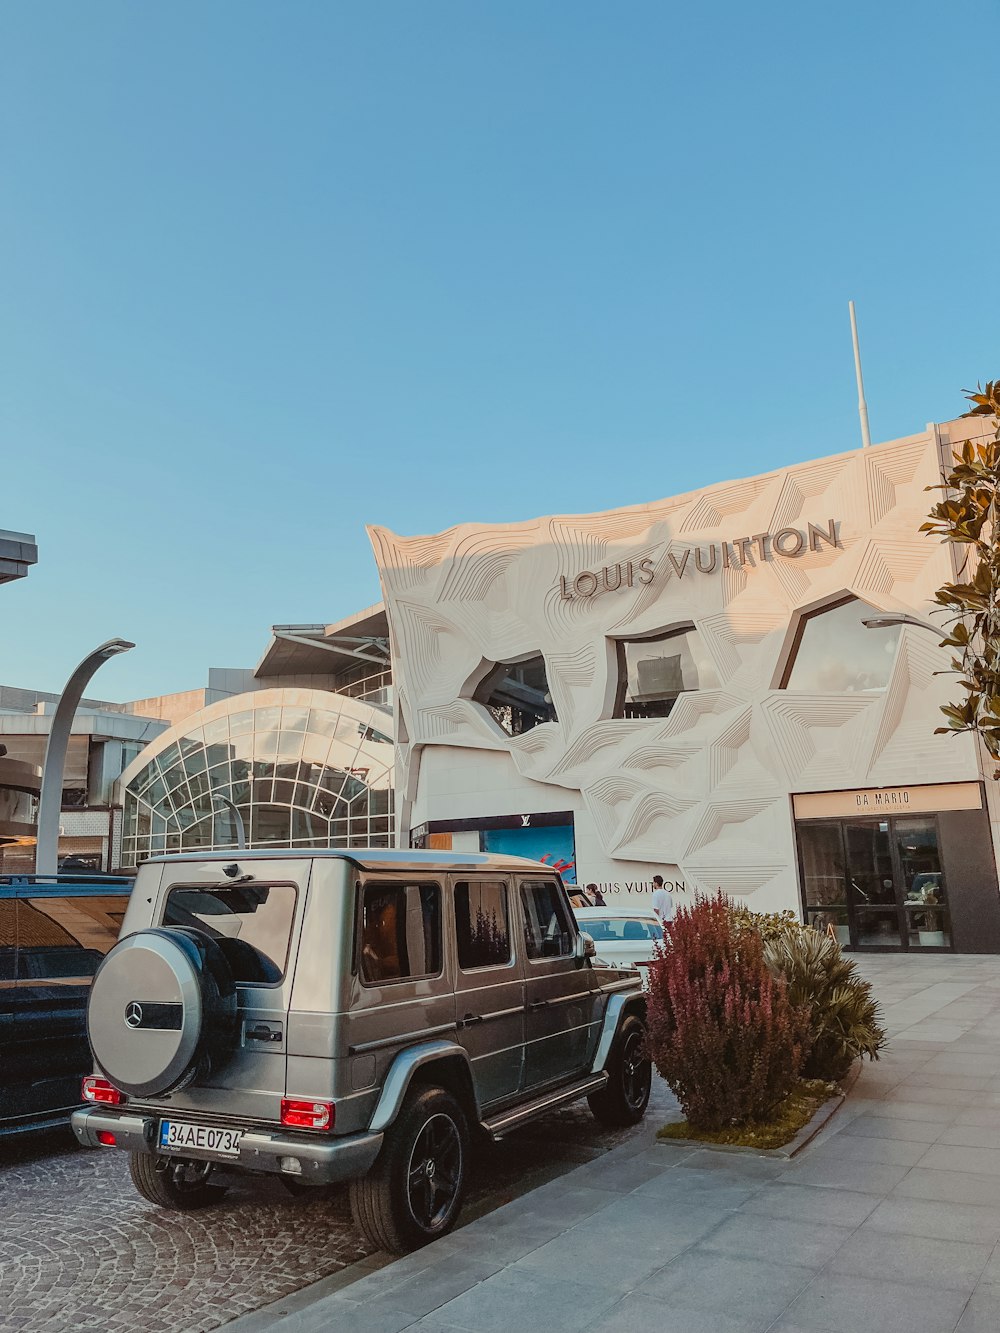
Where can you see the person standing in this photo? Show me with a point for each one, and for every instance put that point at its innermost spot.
(595, 896)
(663, 903)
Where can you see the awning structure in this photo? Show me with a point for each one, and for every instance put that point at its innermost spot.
(327, 650)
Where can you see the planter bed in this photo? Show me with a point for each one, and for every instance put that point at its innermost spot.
(801, 1123)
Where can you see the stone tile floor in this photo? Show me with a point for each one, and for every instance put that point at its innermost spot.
(889, 1221)
(79, 1249)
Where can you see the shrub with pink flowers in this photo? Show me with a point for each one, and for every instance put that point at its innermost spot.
(722, 1030)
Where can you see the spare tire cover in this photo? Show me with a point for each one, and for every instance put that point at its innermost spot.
(162, 1010)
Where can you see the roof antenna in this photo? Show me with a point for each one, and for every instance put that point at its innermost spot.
(866, 437)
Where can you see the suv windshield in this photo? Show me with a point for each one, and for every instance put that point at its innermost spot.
(252, 924)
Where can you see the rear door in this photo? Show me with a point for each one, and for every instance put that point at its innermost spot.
(489, 987)
(562, 996)
(256, 921)
(63, 934)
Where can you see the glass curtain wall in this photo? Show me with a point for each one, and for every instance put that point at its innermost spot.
(302, 776)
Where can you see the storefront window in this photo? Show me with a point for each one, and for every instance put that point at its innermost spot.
(654, 673)
(824, 883)
(875, 883)
(837, 654)
(925, 898)
(517, 695)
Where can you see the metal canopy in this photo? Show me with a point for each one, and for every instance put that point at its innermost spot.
(327, 650)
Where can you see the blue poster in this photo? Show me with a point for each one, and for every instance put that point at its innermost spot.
(553, 845)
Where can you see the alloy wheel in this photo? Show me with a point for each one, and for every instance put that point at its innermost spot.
(434, 1172)
(637, 1073)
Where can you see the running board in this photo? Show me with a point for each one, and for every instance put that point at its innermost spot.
(499, 1125)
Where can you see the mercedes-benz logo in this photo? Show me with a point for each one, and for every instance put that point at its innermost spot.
(133, 1014)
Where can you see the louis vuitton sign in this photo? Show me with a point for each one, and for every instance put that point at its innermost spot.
(690, 561)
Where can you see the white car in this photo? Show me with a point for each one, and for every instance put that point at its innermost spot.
(624, 936)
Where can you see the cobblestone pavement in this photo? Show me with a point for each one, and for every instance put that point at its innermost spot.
(79, 1249)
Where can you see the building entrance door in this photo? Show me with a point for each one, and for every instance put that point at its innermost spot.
(878, 884)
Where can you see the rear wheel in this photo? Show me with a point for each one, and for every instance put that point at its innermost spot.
(624, 1098)
(172, 1183)
(413, 1193)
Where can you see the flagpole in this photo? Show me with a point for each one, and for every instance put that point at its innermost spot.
(866, 438)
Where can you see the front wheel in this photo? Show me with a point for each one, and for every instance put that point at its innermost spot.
(171, 1183)
(625, 1096)
(413, 1193)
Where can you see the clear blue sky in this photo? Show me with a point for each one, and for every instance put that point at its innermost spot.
(272, 271)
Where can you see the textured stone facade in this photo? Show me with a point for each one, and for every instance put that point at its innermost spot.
(703, 794)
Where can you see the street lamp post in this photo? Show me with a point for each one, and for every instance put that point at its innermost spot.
(241, 837)
(886, 622)
(901, 618)
(50, 802)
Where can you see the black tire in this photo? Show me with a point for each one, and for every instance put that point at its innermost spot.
(413, 1193)
(623, 1100)
(171, 1183)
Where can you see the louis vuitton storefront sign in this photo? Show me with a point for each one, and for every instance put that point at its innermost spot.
(736, 553)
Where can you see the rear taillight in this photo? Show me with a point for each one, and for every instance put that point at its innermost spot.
(105, 1137)
(298, 1113)
(100, 1090)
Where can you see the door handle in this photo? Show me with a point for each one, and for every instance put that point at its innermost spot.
(470, 1019)
(538, 1004)
(262, 1032)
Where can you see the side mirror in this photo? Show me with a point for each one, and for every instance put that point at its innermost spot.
(585, 948)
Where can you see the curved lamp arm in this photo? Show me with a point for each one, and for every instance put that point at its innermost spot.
(241, 837)
(891, 619)
(54, 767)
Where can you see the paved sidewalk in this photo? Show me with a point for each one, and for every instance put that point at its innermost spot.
(889, 1221)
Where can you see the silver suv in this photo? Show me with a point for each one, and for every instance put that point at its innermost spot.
(349, 1015)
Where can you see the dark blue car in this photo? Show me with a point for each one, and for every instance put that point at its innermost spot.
(54, 931)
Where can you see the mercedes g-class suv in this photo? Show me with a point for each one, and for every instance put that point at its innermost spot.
(349, 1015)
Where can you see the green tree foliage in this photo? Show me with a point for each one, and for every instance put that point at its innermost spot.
(968, 516)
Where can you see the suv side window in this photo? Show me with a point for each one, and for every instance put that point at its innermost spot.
(482, 924)
(400, 932)
(547, 929)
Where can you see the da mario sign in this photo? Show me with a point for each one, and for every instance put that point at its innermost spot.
(735, 553)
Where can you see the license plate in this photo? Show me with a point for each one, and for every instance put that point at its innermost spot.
(175, 1136)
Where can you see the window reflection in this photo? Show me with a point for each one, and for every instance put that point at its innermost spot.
(482, 932)
(654, 673)
(517, 695)
(836, 654)
(400, 932)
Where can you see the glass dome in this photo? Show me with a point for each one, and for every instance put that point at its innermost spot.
(305, 768)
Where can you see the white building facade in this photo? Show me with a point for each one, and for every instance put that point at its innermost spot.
(717, 687)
